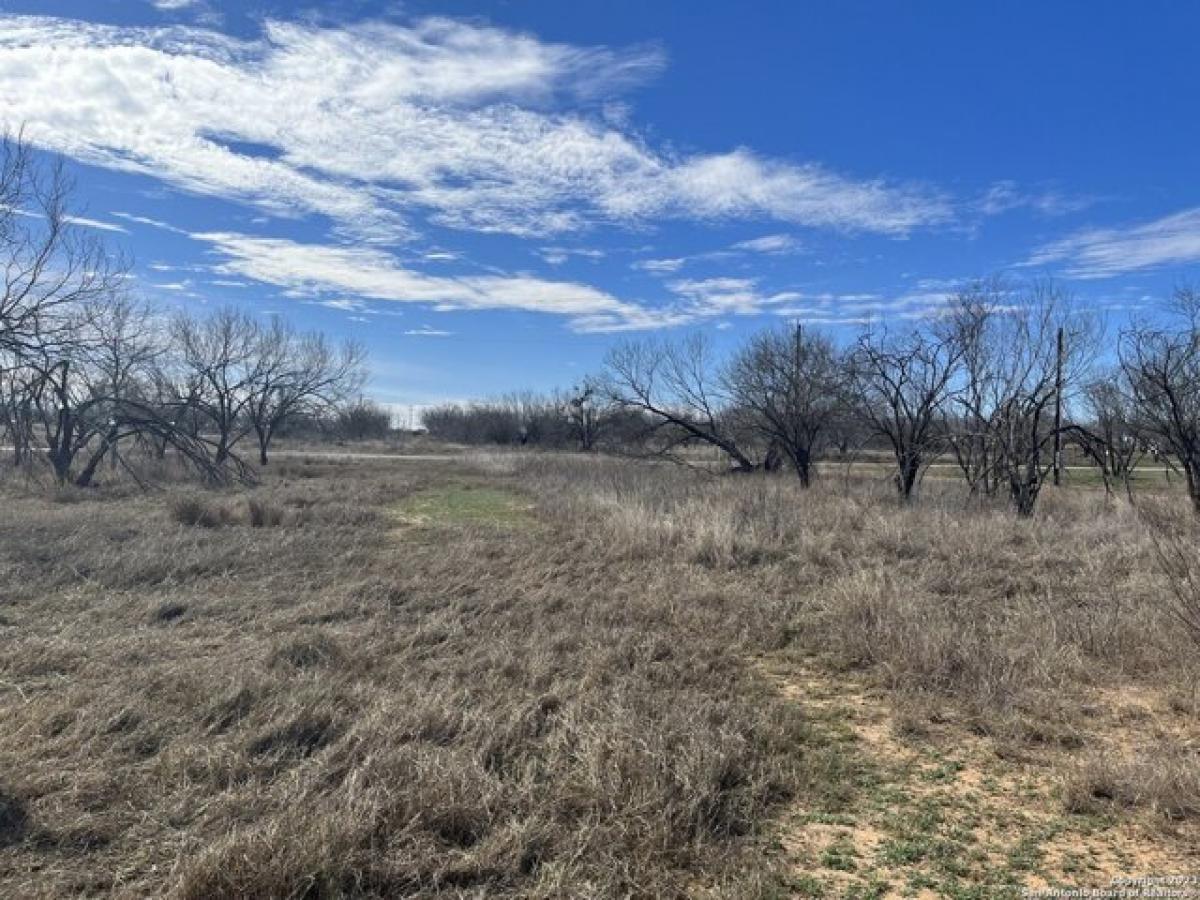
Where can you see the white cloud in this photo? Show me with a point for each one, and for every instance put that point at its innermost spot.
(696, 300)
(556, 256)
(859, 309)
(171, 5)
(475, 127)
(85, 222)
(346, 304)
(770, 243)
(426, 331)
(364, 272)
(724, 296)
(719, 298)
(1105, 252)
(661, 266)
(145, 220)
(312, 271)
(1004, 196)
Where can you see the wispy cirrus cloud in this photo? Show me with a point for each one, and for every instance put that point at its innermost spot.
(556, 256)
(471, 126)
(727, 296)
(664, 266)
(696, 300)
(147, 221)
(344, 278)
(859, 309)
(96, 224)
(305, 269)
(1005, 196)
(1107, 252)
(770, 244)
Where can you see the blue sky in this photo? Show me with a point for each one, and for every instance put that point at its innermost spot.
(490, 194)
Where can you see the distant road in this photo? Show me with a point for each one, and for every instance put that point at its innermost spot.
(354, 454)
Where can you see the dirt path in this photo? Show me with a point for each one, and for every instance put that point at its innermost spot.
(943, 814)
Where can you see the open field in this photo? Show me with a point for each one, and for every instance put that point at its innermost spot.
(547, 676)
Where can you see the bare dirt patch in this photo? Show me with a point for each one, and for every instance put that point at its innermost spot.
(951, 812)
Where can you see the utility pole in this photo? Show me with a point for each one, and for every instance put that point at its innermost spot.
(1058, 380)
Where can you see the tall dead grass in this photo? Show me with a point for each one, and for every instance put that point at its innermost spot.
(948, 598)
(347, 704)
(297, 692)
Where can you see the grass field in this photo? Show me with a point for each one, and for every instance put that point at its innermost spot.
(545, 676)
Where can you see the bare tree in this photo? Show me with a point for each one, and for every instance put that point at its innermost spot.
(49, 267)
(676, 388)
(1109, 434)
(87, 391)
(293, 375)
(221, 367)
(584, 413)
(363, 420)
(122, 343)
(967, 421)
(791, 384)
(1162, 369)
(16, 413)
(901, 385)
(1016, 375)
(49, 264)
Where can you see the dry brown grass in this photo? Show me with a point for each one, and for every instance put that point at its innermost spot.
(305, 691)
(342, 704)
(1166, 780)
(941, 597)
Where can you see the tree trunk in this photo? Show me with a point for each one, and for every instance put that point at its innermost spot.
(264, 433)
(802, 463)
(85, 477)
(906, 480)
(60, 461)
(1191, 468)
(773, 460)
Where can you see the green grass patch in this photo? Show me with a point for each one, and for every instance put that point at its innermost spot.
(840, 855)
(466, 504)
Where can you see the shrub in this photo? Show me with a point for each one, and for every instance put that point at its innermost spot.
(263, 514)
(1168, 783)
(198, 512)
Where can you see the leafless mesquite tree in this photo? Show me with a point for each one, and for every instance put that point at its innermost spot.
(1108, 434)
(1161, 366)
(220, 367)
(583, 409)
(966, 420)
(790, 384)
(50, 264)
(85, 367)
(238, 377)
(675, 388)
(296, 374)
(86, 392)
(901, 384)
(50, 267)
(1014, 374)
